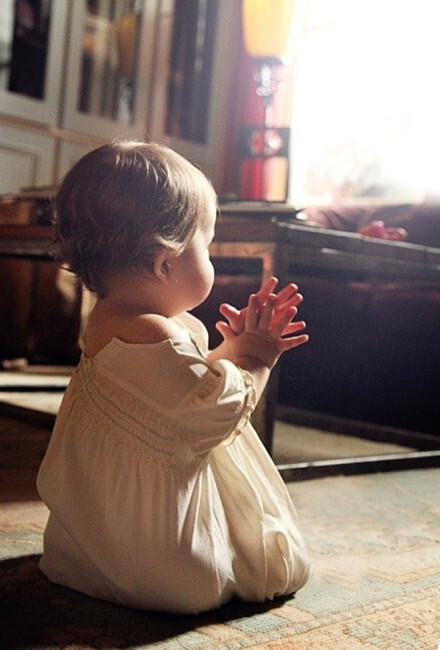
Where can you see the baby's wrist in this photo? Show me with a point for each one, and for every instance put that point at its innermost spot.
(248, 361)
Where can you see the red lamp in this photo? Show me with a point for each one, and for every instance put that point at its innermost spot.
(267, 33)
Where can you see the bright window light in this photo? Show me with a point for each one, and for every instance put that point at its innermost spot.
(366, 116)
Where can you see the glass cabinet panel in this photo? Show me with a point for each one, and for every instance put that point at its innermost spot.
(25, 45)
(110, 44)
(109, 65)
(31, 54)
(194, 69)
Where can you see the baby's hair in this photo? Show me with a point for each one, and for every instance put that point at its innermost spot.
(121, 204)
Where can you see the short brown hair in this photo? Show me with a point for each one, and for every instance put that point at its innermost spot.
(123, 202)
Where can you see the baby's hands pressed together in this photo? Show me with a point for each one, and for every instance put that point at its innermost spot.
(264, 329)
(286, 298)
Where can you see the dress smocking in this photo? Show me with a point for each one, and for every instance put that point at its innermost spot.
(161, 494)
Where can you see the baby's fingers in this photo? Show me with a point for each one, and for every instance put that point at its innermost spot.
(264, 323)
(264, 292)
(252, 313)
(292, 342)
(293, 301)
(228, 311)
(294, 327)
(233, 316)
(279, 327)
(225, 330)
(286, 293)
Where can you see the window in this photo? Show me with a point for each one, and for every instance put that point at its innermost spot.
(366, 102)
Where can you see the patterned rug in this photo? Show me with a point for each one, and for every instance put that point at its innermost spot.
(374, 542)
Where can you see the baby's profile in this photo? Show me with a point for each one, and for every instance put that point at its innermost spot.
(161, 494)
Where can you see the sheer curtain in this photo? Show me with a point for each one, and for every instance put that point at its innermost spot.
(366, 102)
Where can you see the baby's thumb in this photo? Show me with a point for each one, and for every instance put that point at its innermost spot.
(232, 315)
(228, 310)
(225, 330)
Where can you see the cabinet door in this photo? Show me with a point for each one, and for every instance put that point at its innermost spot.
(32, 42)
(109, 67)
(26, 159)
(194, 71)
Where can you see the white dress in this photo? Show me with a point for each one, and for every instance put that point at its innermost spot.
(161, 494)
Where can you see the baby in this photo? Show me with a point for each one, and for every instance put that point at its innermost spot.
(161, 495)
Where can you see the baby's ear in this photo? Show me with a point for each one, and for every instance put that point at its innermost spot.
(161, 266)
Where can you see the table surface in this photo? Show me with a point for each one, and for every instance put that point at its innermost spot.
(305, 247)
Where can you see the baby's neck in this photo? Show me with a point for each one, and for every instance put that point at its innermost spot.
(133, 294)
(129, 321)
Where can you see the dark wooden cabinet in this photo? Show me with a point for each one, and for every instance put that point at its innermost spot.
(40, 312)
